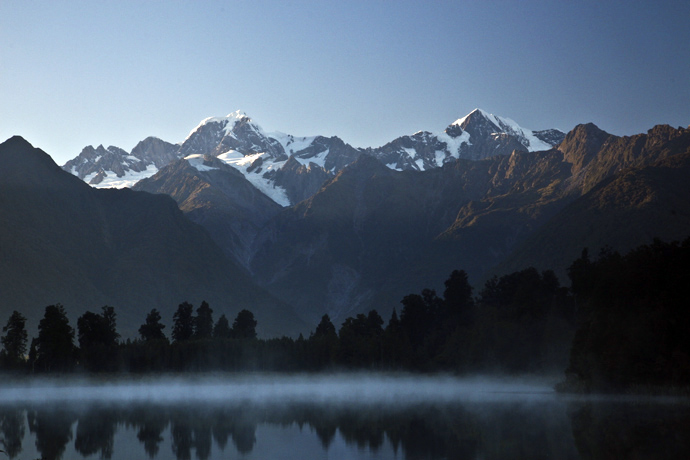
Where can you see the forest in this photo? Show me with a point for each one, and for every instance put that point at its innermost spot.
(621, 325)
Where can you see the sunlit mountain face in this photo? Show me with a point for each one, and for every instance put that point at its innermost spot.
(270, 161)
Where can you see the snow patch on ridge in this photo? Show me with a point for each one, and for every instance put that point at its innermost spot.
(318, 159)
(257, 179)
(291, 144)
(128, 180)
(440, 156)
(197, 161)
(453, 143)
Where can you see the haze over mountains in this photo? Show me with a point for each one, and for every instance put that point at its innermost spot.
(311, 225)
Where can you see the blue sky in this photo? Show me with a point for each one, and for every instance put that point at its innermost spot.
(76, 73)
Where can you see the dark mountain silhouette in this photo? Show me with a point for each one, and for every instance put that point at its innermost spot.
(65, 242)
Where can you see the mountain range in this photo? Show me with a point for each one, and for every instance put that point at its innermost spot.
(313, 225)
(270, 161)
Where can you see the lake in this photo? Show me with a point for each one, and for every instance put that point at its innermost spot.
(340, 416)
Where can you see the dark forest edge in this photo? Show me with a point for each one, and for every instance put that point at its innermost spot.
(621, 326)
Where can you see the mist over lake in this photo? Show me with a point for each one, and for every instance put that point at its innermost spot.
(373, 416)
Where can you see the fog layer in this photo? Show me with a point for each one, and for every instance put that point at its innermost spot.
(274, 389)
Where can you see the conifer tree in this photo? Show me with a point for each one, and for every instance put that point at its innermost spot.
(183, 322)
(203, 322)
(152, 329)
(14, 340)
(54, 347)
(244, 326)
(222, 328)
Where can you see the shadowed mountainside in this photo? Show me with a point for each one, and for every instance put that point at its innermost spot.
(65, 242)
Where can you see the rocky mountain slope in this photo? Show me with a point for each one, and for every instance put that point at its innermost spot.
(113, 167)
(626, 207)
(218, 197)
(65, 242)
(372, 234)
(290, 169)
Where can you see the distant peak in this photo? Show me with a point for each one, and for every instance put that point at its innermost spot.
(588, 129)
(473, 114)
(238, 115)
(229, 121)
(17, 141)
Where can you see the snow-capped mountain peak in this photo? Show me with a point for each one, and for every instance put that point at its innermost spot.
(461, 121)
(482, 123)
(289, 168)
(226, 123)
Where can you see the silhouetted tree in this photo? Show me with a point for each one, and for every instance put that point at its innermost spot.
(518, 326)
(458, 304)
(54, 347)
(109, 317)
(633, 318)
(203, 322)
(244, 326)
(222, 328)
(416, 320)
(98, 338)
(395, 347)
(14, 341)
(152, 329)
(183, 322)
(323, 344)
(360, 340)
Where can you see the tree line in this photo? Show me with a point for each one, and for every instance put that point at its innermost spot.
(623, 322)
(514, 316)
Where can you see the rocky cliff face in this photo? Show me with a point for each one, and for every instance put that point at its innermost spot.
(596, 155)
(114, 167)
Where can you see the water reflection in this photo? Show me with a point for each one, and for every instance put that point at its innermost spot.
(518, 427)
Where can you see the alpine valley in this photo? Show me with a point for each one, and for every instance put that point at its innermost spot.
(296, 227)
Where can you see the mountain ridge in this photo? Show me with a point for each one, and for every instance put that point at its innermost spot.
(261, 156)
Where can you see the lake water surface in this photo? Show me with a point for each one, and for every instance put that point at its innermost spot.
(341, 416)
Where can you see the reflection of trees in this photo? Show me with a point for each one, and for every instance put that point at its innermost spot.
(644, 431)
(237, 423)
(326, 434)
(182, 441)
(489, 431)
(96, 432)
(244, 437)
(193, 428)
(202, 440)
(53, 430)
(12, 428)
(150, 423)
